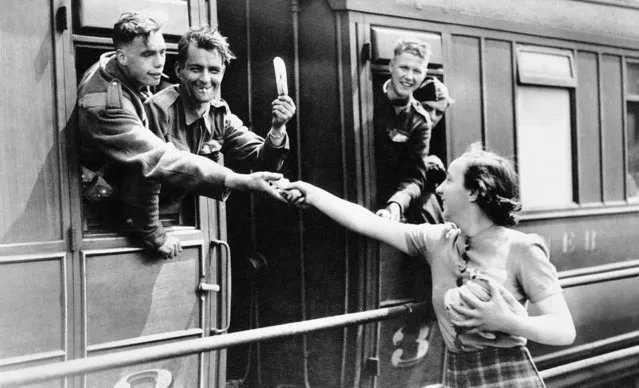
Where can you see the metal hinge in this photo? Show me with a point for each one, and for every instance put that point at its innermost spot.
(372, 366)
(74, 238)
(367, 52)
(61, 19)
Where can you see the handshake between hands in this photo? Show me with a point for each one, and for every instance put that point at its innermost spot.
(284, 192)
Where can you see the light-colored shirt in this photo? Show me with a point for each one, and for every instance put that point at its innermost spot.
(522, 258)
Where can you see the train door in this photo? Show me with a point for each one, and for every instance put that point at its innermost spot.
(129, 297)
(410, 350)
(73, 283)
(35, 261)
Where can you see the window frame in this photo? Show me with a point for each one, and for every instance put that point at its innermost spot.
(629, 98)
(574, 195)
(570, 85)
(530, 79)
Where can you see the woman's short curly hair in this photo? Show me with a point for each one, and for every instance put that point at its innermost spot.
(495, 180)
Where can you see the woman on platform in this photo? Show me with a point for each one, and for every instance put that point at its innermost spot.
(485, 335)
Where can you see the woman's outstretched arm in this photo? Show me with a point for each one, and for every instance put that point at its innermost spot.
(352, 216)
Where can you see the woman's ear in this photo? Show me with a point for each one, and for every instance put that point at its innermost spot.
(472, 195)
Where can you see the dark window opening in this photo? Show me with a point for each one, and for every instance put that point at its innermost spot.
(107, 216)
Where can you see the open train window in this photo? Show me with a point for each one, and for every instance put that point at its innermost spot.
(106, 216)
(92, 26)
(383, 41)
(544, 126)
(632, 125)
(96, 17)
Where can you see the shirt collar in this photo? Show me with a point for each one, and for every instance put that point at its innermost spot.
(191, 116)
(403, 106)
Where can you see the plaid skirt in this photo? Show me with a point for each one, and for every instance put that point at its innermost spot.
(492, 367)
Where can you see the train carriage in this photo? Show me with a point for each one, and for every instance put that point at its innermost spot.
(554, 85)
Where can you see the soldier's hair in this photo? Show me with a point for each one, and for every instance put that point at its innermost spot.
(495, 180)
(205, 38)
(130, 26)
(414, 46)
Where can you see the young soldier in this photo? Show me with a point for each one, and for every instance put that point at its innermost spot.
(402, 137)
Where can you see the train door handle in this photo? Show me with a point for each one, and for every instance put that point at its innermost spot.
(227, 264)
(208, 287)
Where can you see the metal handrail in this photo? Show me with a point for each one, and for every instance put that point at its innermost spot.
(590, 362)
(184, 348)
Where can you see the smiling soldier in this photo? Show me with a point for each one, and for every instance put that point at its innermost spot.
(190, 116)
(406, 173)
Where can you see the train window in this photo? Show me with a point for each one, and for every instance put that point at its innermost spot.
(105, 216)
(383, 42)
(98, 15)
(632, 124)
(544, 123)
(546, 66)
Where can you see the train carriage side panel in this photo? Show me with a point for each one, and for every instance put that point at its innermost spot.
(465, 82)
(315, 269)
(588, 139)
(66, 287)
(612, 129)
(302, 279)
(265, 277)
(35, 262)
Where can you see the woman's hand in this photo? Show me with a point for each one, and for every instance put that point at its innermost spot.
(299, 194)
(496, 314)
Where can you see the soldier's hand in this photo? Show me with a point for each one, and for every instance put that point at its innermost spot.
(393, 212)
(170, 248)
(259, 182)
(290, 196)
(295, 197)
(283, 111)
(301, 194)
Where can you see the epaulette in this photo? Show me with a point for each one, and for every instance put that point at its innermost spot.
(115, 99)
(164, 98)
(220, 104)
(114, 95)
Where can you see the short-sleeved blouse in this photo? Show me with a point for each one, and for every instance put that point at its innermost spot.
(520, 260)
